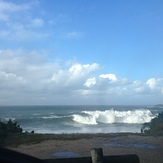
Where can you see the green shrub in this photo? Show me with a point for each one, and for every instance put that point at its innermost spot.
(155, 126)
(9, 127)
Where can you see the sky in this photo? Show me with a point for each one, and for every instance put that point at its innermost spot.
(81, 52)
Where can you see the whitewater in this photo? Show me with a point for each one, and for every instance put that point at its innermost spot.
(80, 119)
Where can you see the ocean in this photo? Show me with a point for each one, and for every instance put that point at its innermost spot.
(80, 119)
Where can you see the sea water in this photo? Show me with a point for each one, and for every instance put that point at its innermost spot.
(80, 119)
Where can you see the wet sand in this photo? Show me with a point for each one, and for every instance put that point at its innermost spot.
(148, 148)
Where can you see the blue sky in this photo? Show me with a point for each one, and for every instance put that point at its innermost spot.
(81, 52)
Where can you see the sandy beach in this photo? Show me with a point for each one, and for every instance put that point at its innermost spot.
(148, 148)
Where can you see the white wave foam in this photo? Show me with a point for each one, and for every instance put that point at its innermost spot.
(85, 119)
(7, 119)
(54, 117)
(50, 117)
(139, 116)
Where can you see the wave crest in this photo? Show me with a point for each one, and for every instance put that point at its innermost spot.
(139, 116)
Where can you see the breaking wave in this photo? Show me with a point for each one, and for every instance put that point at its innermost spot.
(138, 116)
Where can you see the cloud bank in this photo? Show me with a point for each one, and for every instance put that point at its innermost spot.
(27, 77)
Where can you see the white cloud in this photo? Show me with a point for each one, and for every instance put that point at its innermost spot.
(75, 75)
(111, 77)
(82, 70)
(18, 24)
(28, 75)
(152, 83)
(139, 89)
(90, 82)
(155, 85)
(10, 80)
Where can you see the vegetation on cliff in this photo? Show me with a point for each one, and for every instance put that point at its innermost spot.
(9, 127)
(155, 126)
